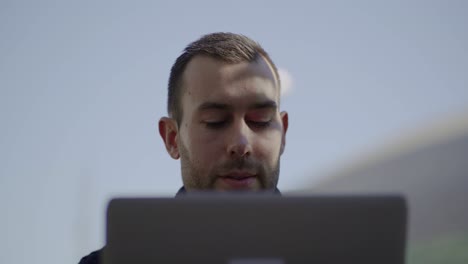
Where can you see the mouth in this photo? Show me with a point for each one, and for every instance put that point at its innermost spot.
(238, 180)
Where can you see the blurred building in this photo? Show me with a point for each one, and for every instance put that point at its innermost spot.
(429, 167)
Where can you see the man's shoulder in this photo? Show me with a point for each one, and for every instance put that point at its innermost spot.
(95, 256)
(92, 258)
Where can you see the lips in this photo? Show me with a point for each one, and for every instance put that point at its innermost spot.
(238, 174)
(238, 177)
(238, 180)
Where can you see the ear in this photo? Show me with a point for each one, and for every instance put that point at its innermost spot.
(169, 131)
(285, 121)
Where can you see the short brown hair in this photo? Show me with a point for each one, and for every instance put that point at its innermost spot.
(228, 47)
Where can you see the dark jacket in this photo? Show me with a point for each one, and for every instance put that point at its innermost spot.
(95, 257)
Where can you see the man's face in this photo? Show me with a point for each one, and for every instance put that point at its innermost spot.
(231, 133)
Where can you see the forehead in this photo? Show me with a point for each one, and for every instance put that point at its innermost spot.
(211, 80)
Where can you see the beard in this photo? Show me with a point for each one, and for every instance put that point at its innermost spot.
(195, 178)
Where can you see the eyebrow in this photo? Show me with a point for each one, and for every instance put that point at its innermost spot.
(221, 106)
(266, 104)
(213, 105)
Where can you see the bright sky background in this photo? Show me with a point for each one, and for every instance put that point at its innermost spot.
(83, 84)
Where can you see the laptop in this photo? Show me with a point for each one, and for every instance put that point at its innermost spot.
(256, 229)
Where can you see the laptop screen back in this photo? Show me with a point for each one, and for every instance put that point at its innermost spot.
(260, 229)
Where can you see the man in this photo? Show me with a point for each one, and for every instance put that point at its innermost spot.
(224, 121)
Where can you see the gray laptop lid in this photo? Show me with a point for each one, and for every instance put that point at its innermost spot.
(247, 229)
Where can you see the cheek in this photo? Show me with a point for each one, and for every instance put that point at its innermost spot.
(203, 145)
(267, 147)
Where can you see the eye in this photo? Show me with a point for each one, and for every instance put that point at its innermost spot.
(260, 124)
(260, 118)
(216, 124)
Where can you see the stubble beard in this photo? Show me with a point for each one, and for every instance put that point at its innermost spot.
(195, 179)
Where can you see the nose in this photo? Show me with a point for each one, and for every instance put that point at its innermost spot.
(239, 141)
